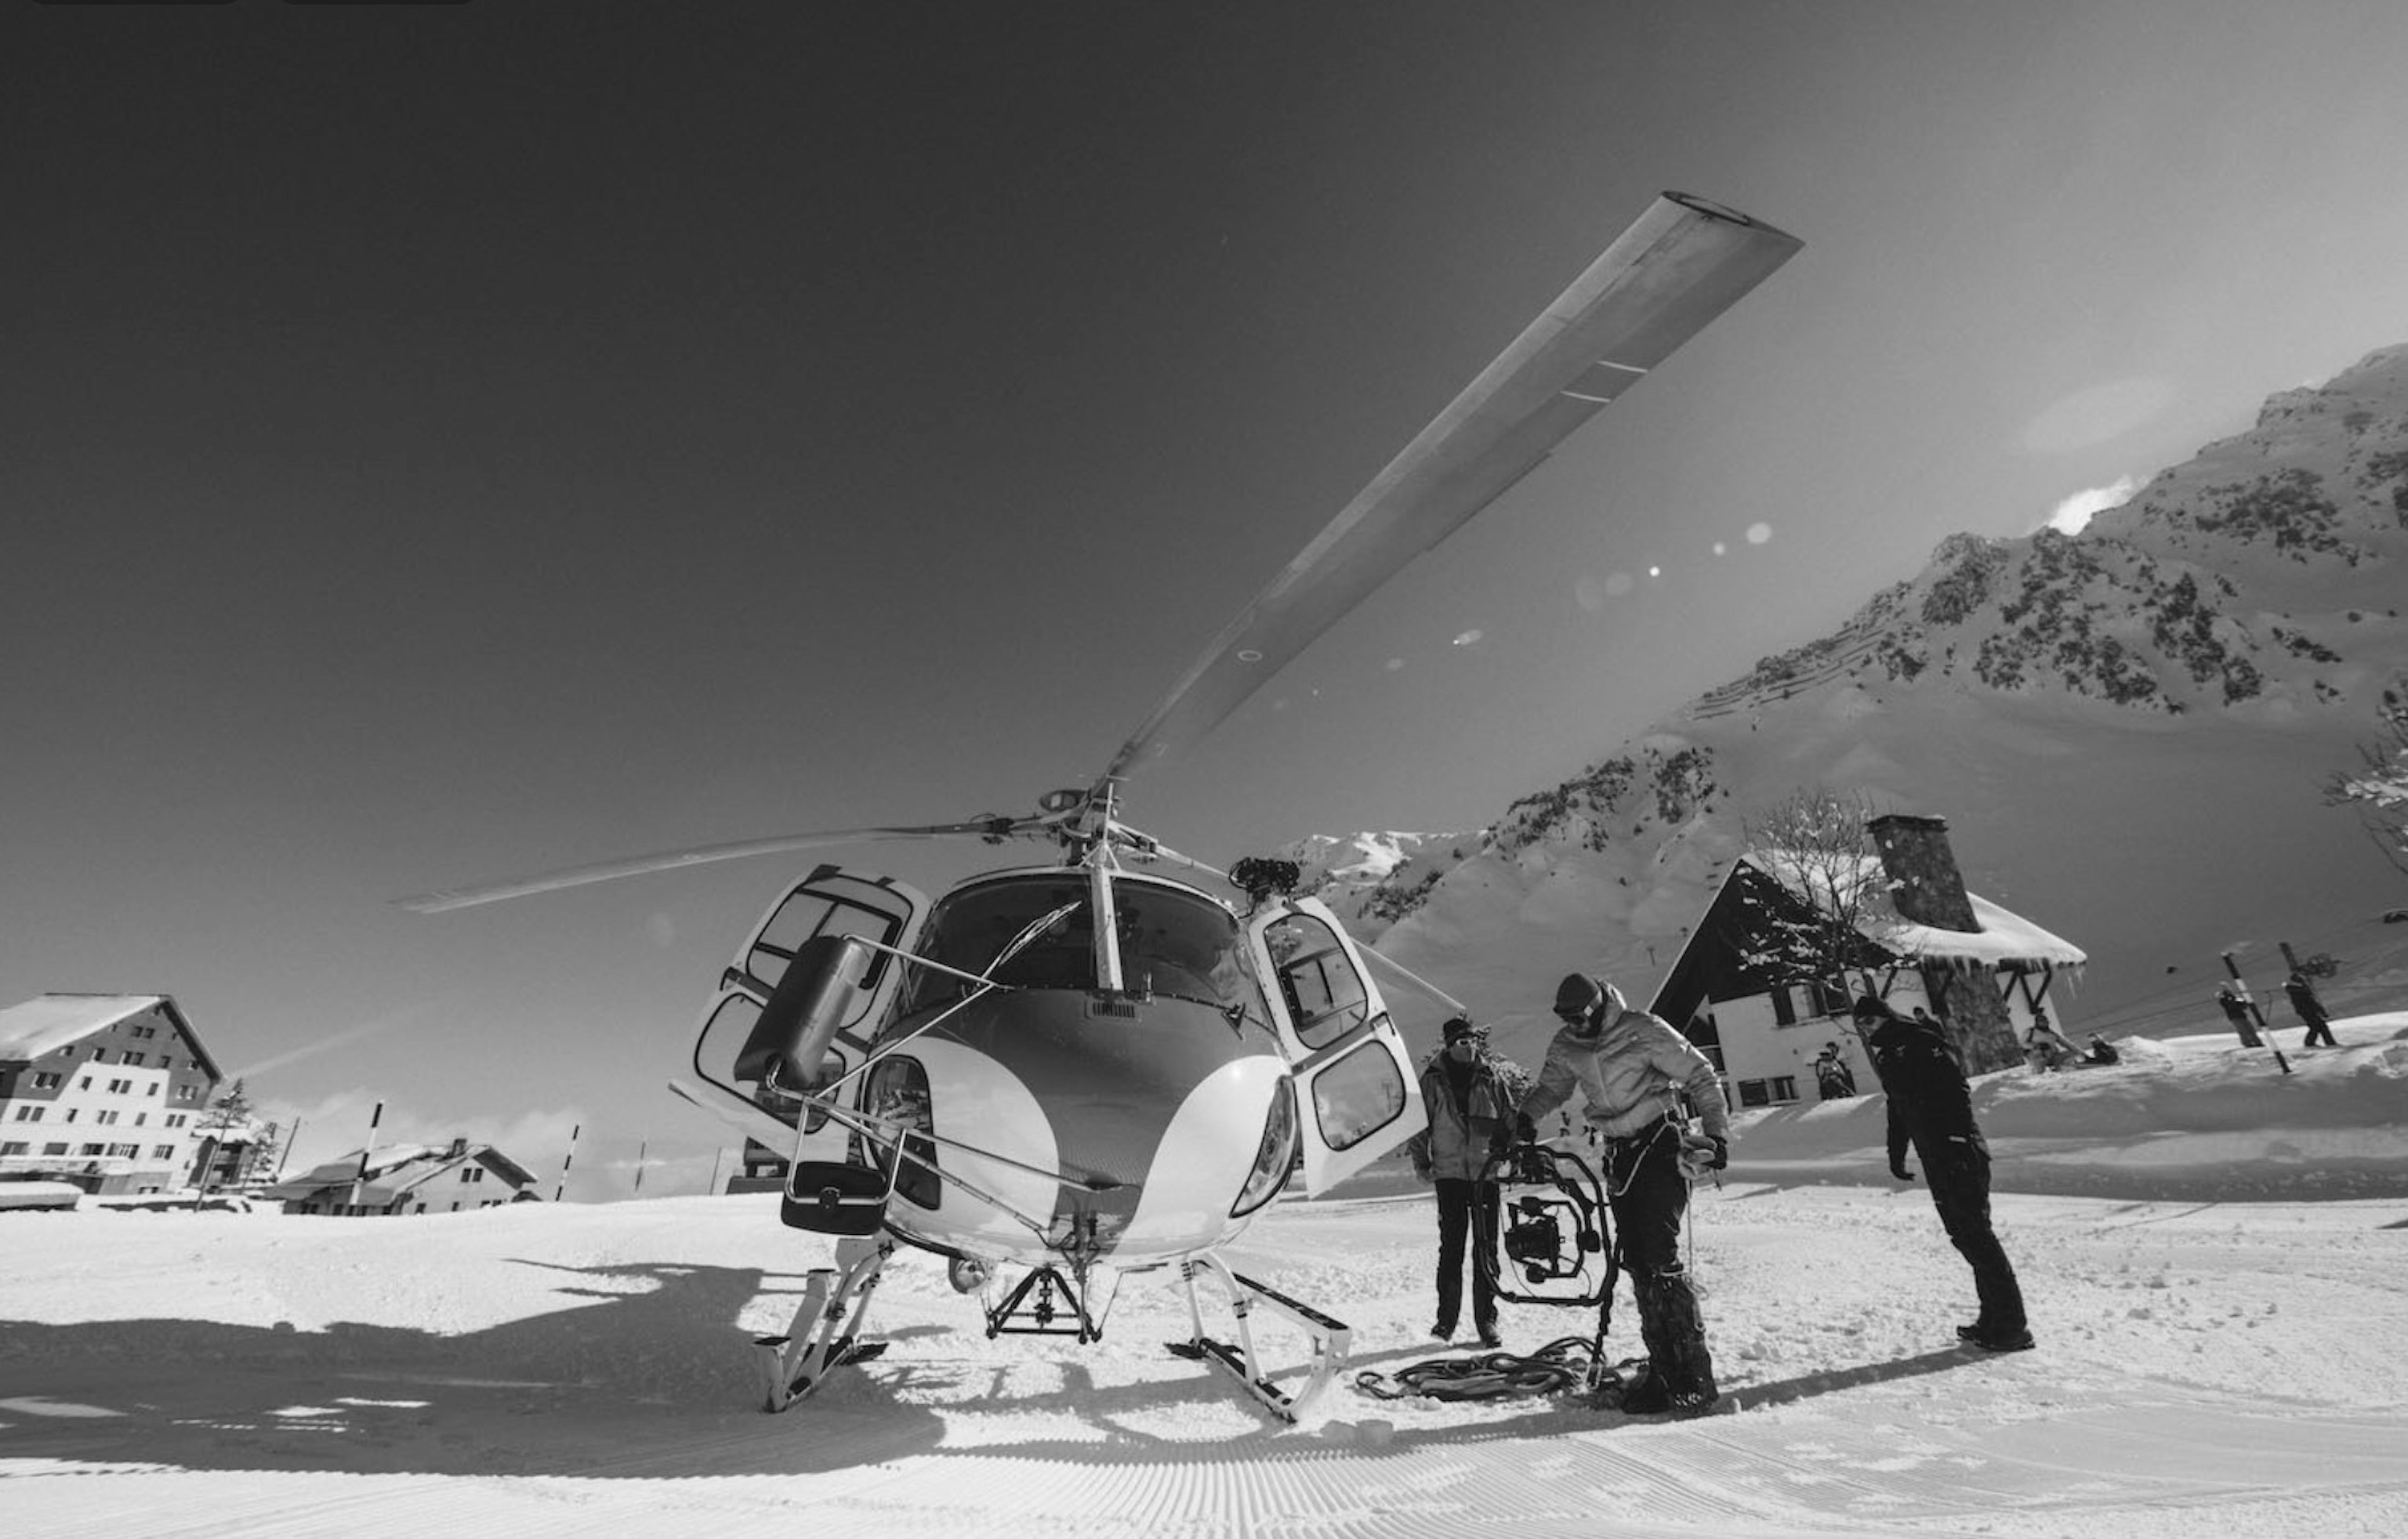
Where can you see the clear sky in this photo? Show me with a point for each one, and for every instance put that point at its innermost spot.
(442, 443)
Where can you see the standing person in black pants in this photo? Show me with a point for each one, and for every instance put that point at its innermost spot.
(1931, 1107)
(2309, 1009)
(1635, 1070)
(1468, 1092)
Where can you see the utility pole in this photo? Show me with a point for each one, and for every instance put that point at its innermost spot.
(560, 1192)
(285, 1152)
(2256, 1014)
(360, 1181)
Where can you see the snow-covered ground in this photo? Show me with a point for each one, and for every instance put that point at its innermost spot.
(2210, 1361)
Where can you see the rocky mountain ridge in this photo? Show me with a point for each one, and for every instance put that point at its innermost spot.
(2104, 718)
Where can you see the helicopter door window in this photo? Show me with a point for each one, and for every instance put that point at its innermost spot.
(1357, 1096)
(1324, 994)
(808, 914)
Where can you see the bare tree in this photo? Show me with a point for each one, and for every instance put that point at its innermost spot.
(1816, 845)
(2380, 790)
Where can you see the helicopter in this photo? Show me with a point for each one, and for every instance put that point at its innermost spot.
(1059, 1074)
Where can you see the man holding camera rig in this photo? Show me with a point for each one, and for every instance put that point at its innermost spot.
(1634, 1069)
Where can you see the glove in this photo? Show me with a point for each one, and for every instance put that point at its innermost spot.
(1702, 1154)
(1722, 1154)
(1526, 1130)
(1899, 1172)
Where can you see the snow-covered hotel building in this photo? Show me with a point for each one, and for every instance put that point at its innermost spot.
(104, 1091)
(1925, 942)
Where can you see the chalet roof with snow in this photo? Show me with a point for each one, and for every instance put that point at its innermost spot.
(2004, 938)
(392, 1170)
(40, 1027)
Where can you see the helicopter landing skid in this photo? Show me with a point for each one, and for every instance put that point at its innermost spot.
(823, 1336)
(1329, 1337)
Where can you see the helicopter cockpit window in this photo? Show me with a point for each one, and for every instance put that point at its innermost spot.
(1324, 994)
(1189, 947)
(969, 929)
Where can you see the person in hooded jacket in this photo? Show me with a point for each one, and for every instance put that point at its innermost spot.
(1635, 1069)
(1932, 1107)
(1468, 1093)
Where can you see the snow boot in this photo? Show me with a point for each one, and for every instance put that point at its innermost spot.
(1997, 1340)
(1680, 1372)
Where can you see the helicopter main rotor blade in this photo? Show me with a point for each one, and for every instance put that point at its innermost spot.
(1683, 263)
(990, 829)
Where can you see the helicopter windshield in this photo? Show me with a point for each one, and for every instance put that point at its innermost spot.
(1170, 941)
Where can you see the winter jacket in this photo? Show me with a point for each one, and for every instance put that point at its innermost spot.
(1930, 1101)
(2305, 1002)
(1632, 1072)
(1456, 1146)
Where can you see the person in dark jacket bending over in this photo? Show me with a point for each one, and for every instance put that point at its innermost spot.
(1633, 1067)
(1468, 1092)
(1931, 1107)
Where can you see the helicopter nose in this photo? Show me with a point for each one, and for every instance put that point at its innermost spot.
(1205, 1155)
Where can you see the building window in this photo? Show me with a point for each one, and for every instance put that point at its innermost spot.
(1783, 1013)
(106, 1118)
(52, 1151)
(163, 1152)
(89, 1151)
(10, 1148)
(123, 1151)
(83, 1082)
(100, 1055)
(153, 1089)
(1785, 1088)
(186, 1092)
(176, 1119)
(1752, 1093)
(49, 1081)
(119, 1087)
(134, 1060)
(29, 1113)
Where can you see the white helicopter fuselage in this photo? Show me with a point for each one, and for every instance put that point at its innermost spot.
(1046, 1118)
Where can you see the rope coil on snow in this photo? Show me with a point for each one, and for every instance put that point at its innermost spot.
(1564, 1364)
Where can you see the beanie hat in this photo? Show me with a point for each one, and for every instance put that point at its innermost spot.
(1458, 1026)
(1577, 991)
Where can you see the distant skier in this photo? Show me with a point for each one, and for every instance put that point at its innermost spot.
(2236, 1010)
(2309, 1009)
(1833, 1079)
(1633, 1067)
(1469, 1094)
(1931, 1107)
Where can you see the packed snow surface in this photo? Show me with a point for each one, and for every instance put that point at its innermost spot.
(2210, 1360)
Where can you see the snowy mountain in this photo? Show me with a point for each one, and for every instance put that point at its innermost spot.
(2127, 729)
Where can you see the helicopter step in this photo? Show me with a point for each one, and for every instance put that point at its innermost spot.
(1240, 1361)
(824, 1335)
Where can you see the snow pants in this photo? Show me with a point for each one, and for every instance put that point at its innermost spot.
(1466, 1210)
(1959, 1169)
(1650, 1196)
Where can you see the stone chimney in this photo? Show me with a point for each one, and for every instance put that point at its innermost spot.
(1927, 889)
(1926, 886)
(459, 1149)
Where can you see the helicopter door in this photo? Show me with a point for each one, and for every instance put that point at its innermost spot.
(1352, 1075)
(726, 1062)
